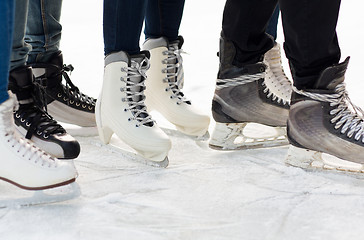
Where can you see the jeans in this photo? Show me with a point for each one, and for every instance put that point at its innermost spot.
(37, 31)
(272, 24)
(6, 33)
(123, 22)
(311, 43)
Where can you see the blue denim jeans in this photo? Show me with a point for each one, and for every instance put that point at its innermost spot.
(37, 31)
(272, 24)
(123, 22)
(6, 33)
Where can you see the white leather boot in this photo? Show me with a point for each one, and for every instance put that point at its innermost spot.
(164, 84)
(120, 109)
(25, 165)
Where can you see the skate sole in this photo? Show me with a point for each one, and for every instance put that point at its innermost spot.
(313, 160)
(249, 146)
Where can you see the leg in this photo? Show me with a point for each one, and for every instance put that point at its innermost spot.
(31, 119)
(19, 158)
(246, 92)
(123, 22)
(43, 30)
(120, 108)
(64, 101)
(6, 33)
(273, 22)
(163, 18)
(20, 50)
(166, 74)
(308, 55)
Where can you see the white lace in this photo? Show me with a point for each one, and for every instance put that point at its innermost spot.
(23, 147)
(174, 70)
(281, 82)
(347, 116)
(137, 108)
(242, 79)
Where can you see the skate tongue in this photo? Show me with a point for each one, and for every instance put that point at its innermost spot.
(332, 76)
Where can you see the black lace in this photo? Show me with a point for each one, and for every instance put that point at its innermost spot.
(71, 91)
(38, 121)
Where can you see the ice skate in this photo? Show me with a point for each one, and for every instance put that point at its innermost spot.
(65, 102)
(25, 165)
(164, 89)
(325, 129)
(256, 93)
(34, 123)
(120, 108)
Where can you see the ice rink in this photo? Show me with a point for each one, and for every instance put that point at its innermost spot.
(204, 194)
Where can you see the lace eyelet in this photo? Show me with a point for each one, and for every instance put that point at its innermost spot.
(65, 99)
(17, 115)
(22, 120)
(125, 110)
(72, 102)
(39, 133)
(84, 106)
(27, 124)
(129, 119)
(166, 89)
(78, 104)
(45, 136)
(121, 79)
(90, 108)
(59, 95)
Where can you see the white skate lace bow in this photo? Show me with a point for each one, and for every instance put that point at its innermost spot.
(348, 117)
(174, 71)
(136, 98)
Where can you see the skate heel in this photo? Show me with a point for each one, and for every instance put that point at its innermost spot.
(224, 135)
(105, 133)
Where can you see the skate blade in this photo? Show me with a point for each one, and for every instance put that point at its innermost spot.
(116, 147)
(313, 160)
(41, 197)
(242, 136)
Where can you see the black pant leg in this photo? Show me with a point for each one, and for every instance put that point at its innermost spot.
(244, 23)
(311, 43)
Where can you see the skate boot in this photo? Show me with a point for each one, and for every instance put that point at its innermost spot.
(25, 165)
(324, 128)
(249, 94)
(36, 124)
(64, 102)
(121, 109)
(164, 88)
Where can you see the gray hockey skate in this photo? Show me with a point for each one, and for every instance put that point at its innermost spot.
(255, 93)
(325, 129)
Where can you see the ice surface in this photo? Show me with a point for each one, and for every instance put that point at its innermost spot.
(203, 194)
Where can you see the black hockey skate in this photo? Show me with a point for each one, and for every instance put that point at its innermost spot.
(36, 124)
(64, 102)
(325, 129)
(245, 95)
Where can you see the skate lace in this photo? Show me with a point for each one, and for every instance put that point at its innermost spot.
(23, 147)
(174, 74)
(37, 121)
(73, 94)
(136, 98)
(347, 116)
(281, 83)
(242, 79)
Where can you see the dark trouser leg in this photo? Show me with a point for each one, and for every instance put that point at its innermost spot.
(311, 43)
(123, 21)
(273, 22)
(244, 23)
(163, 18)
